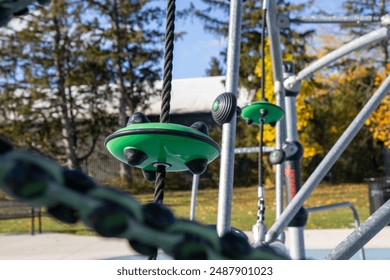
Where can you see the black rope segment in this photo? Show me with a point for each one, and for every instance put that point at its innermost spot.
(160, 184)
(168, 61)
(166, 97)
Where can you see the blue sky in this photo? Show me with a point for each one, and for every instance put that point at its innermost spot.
(192, 53)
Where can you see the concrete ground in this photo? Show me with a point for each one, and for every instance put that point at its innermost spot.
(56, 246)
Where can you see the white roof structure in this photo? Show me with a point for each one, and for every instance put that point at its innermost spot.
(195, 95)
(192, 95)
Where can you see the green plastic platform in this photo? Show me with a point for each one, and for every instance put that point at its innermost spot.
(252, 114)
(167, 144)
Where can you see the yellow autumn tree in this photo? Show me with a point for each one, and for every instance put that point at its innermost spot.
(326, 105)
(379, 121)
(304, 109)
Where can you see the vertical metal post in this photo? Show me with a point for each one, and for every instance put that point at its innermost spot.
(326, 164)
(194, 192)
(229, 129)
(277, 67)
(292, 172)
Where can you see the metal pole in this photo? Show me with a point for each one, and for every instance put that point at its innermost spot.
(194, 192)
(292, 171)
(336, 19)
(360, 236)
(248, 150)
(229, 129)
(326, 164)
(341, 205)
(277, 67)
(361, 42)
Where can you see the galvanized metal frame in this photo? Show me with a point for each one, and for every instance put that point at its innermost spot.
(379, 219)
(229, 129)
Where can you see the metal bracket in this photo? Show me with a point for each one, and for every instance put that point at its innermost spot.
(290, 148)
(282, 21)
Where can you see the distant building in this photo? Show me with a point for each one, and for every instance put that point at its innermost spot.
(192, 98)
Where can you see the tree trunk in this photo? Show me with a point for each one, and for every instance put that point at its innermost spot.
(124, 171)
(385, 43)
(386, 160)
(68, 129)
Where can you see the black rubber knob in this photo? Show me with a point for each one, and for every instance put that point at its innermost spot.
(149, 175)
(137, 117)
(201, 127)
(277, 157)
(197, 166)
(134, 157)
(224, 108)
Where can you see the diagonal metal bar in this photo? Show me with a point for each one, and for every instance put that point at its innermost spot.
(357, 44)
(364, 233)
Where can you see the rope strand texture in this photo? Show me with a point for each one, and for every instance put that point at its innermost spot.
(166, 96)
(111, 213)
(168, 61)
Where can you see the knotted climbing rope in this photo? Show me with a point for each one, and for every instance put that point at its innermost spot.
(166, 96)
(72, 195)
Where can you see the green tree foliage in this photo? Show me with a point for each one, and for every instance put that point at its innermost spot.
(335, 104)
(215, 15)
(340, 93)
(47, 57)
(129, 34)
(65, 63)
(328, 101)
(379, 53)
(215, 68)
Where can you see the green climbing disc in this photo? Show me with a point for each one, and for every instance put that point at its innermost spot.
(252, 114)
(166, 144)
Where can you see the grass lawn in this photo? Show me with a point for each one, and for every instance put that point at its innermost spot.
(243, 212)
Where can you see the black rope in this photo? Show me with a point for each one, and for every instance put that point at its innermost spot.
(168, 61)
(166, 97)
(160, 184)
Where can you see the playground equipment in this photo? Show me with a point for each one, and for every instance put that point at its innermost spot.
(71, 195)
(286, 90)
